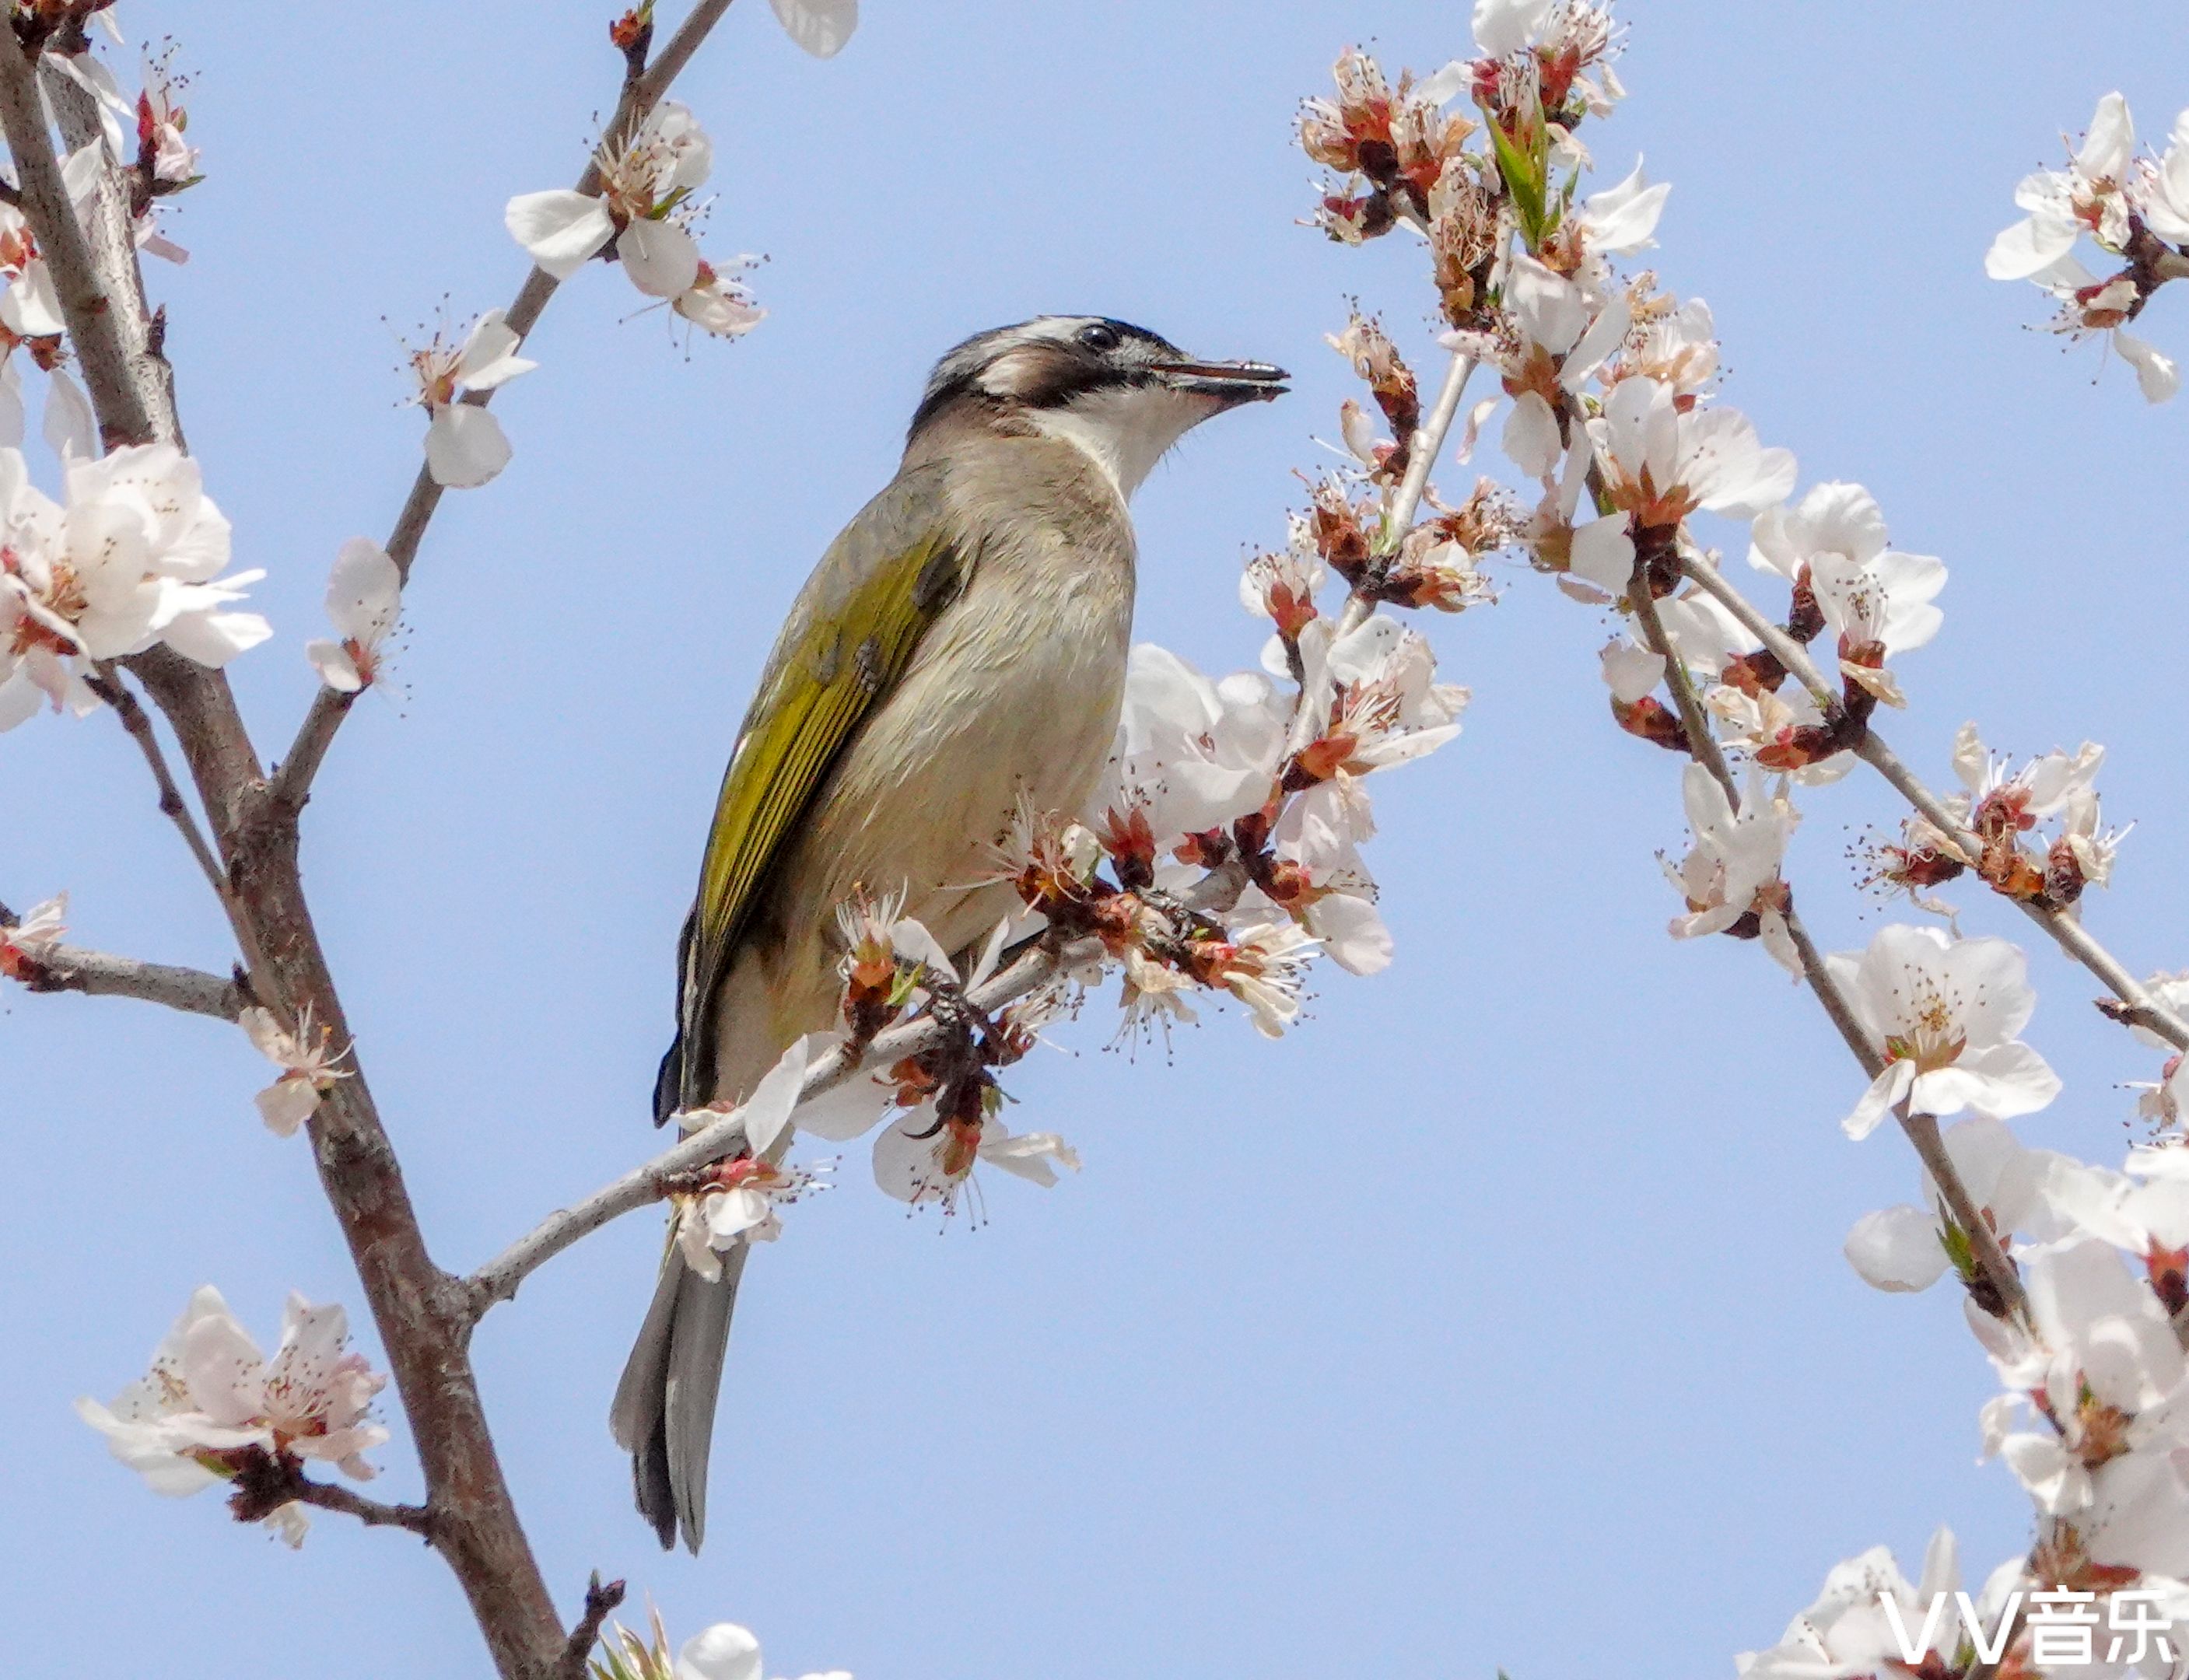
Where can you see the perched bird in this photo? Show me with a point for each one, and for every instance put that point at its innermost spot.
(960, 648)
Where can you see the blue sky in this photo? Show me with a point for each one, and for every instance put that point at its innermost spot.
(1493, 1317)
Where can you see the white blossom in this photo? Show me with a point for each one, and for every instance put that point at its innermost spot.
(738, 1205)
(1945, 1014)
(2089, 305)
(1192, 755)
(1505, 26)
(133, 559)
(717, 302)
(1857, 1625)
(643, 206)
(727, 1651)
(2099, 1376)
(23, 944)
(211, 1394)
(922, 1157)
(820, 26)
(364, 597)
(1902, 1249)
(1556, 334)
(465, 445)
(308, 1063)
(2063, 204)
(1631, 671)
(1732, 870)
(1620, 220)
(1661, 464)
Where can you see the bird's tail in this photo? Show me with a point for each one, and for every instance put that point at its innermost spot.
(664, 1413)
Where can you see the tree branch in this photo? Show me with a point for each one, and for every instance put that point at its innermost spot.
(1702, 743)
(418, 1520)
(2004, 1281)
(264, 1481)
(87, 302)
(110, 233)
(499, 1278)
(292, 781)
(111, 688)
(70, 968)
(1423, 451)
(2071, 935)
(417, 1308)
(600, 1600)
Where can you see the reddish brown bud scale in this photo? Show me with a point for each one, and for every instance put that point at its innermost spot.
(1917, 867)
(1209, 850)
(2064, 879)
(1647, 719)
(2168, 1269)
(1755, 674)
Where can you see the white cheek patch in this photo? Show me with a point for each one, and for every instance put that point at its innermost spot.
(1018, 373)
(1126, 430)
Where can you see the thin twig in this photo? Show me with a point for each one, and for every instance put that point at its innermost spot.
(108, 684)
(499, 1278)
(261, 1482)
(1423, 451)
(1702, 744)
(292, 781)
(70, 968)
(2071, 935)
(418, 1520)
(601, 1599)
(1921, 1129)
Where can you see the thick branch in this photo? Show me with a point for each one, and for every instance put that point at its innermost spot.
(70, 968)
(88, 304)
(499, 1278)
(292, 782)
(110, 236)
(2071, 936)
(419, 1310)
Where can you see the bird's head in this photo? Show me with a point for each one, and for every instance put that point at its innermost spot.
(1122, 393)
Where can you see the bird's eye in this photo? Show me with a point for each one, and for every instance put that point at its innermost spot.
(1100, 336)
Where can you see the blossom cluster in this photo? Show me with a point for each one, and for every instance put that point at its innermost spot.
(1612, 416)
(142, 142)
(1222, 857)
(2032, 833)
(642, 218)
(2134, 208)
(214, 1409)
(2089, 1418)
(132, 556)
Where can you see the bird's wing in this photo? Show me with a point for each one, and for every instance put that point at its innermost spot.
(849, 638)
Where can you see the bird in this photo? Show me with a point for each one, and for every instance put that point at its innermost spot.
(957, 654)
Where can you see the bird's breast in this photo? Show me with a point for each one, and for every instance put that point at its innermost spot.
(1012, 697)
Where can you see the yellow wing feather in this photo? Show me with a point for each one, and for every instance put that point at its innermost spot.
(847, 642)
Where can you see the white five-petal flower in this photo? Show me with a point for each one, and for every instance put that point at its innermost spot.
(465, 445)
(365, 597)
(1944, 1013)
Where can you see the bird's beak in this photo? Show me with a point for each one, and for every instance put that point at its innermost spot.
(1227, 382)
